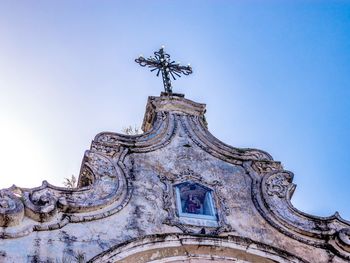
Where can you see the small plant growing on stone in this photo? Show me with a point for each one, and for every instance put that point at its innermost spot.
(130, 130)
(70, 182)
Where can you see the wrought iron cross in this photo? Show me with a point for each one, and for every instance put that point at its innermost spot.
(161, 62)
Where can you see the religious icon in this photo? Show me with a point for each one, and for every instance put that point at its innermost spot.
(194, 199)
(193, 204)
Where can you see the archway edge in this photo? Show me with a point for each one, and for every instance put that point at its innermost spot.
(178, 247)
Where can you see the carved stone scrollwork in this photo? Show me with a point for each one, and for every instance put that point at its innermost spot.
(278, 184)
(103, 191)
(265, 167)
(272, 197)
(108, 138)
(101, 164)
(188, 174)
(104, 149)
(158, 135)
(11, 209)
(40, 205)
(169, 204)
(343, 239)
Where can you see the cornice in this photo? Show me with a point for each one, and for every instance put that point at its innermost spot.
(105, 185)
(49, 207)
(272, 192)
(196, 129)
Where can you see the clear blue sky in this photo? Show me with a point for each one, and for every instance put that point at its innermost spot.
(275, 75)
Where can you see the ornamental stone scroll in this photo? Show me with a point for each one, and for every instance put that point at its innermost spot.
(11, 209)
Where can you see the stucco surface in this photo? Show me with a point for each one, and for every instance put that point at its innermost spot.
(126, 201)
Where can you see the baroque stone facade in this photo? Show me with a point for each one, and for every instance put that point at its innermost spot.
(172, 194)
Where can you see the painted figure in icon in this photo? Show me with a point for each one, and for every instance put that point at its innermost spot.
(193, 204)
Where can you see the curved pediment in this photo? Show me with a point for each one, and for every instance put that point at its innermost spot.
(163, 115)
(120, 170)
(272, 193)
(50, 207)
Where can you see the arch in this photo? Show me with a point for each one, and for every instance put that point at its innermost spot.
(194, 248)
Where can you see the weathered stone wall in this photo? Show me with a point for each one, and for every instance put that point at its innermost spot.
(125, 208)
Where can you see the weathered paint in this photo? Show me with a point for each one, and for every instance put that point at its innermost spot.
(125, 207)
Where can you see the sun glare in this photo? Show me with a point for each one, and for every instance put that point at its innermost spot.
(22, 157)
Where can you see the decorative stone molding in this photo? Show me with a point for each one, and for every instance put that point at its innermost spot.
(176, 104)
(105, 186)
(271, 194)
(193, 225)
(278, 183)
(11, 208)
(163, 115)
(186, 247)
(40, 205)
(342, 239)
(196, 129)
(104, 191)
(159, 136)
(265, 167)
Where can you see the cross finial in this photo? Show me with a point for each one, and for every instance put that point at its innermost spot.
(162, 63)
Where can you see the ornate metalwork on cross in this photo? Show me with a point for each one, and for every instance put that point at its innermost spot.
(162, 63)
